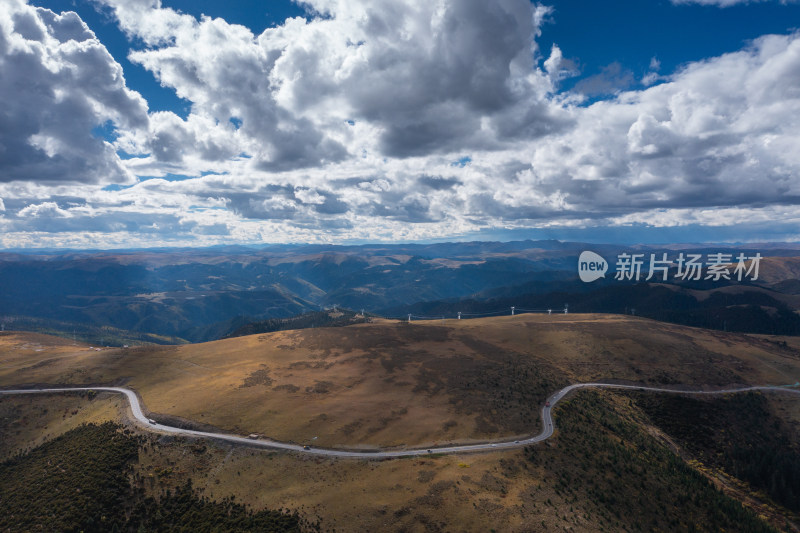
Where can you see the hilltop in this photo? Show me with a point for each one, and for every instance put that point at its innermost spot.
(392, 383)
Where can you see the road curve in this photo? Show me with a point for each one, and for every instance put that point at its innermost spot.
(547, 421)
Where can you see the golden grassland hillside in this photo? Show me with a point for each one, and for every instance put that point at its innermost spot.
(773, 270)
(618, 461)
(608, 468)
(394, 384)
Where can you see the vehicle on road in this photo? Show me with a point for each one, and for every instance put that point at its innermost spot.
(261, 441)
(306, 447)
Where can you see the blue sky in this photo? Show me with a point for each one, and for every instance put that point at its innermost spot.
(633, 32)
(136, 123)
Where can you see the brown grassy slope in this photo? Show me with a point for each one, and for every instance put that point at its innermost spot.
(29, 421)
(790, 300)
(776, 269)
(397, 384)
(561, 485)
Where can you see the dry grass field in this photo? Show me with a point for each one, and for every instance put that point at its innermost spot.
(397, 384)
(394, 384)
(469, 493)
(776, 269)
(514, 491)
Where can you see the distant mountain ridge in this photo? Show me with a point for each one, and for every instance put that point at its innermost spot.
(191, 295)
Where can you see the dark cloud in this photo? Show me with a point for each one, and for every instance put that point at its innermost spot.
(270, 203)
(214, 229)
(413, 209)
(47, 217)
(612, 79)
(302, 146)
(431, 93)
(331, 205)
(438, 183)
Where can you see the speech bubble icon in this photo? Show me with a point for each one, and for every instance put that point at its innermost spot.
(591, 266)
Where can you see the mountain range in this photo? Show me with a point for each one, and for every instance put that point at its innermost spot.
(191, 295)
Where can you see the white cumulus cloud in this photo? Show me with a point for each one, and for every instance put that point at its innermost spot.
(380, 120)
(427, 77)
(58, 84)
(45, 209)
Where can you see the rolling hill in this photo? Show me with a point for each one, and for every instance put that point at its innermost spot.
(395, 384)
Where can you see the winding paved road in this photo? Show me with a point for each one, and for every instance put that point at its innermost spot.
(547, 420)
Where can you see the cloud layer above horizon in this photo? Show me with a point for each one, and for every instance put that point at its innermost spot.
(377, 120)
